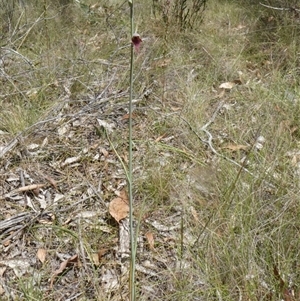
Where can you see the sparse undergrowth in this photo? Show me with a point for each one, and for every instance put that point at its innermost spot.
(216, 170)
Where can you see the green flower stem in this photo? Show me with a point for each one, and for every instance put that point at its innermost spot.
(131, 228)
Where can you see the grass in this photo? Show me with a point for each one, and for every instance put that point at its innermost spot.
(225, 221)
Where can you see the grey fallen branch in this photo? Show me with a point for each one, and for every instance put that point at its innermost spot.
(280, 8)
(18, 223)
(14, 220)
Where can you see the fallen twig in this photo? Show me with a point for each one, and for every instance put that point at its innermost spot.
(19, 54)
(280, 8)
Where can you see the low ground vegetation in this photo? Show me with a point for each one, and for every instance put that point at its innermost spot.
(216, 151)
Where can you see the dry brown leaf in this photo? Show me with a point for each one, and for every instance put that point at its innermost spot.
(41, 255)
(102, 252)
(118, 207)
(227, 85)
(98, 256)
(65, 264)
(236, 147)
(126, 116)
(104, 152)
(150, 240)
(36, 192)
(230, 85)
(6, 243)
(51, 181)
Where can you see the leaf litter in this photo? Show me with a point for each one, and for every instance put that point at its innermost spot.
(49, 200)
(119, 207)
(71, 200)
(64, 203)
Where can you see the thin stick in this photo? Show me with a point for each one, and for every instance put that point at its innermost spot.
(131, 228)
(279, 8)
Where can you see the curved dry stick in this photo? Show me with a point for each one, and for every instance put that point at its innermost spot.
(280, 8)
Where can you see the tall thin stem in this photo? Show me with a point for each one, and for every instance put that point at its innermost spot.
(131, 228)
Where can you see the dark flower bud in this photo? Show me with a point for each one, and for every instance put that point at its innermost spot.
(136, 41)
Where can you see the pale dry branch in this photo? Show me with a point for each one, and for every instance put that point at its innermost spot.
(20, 55)
(280, 8)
